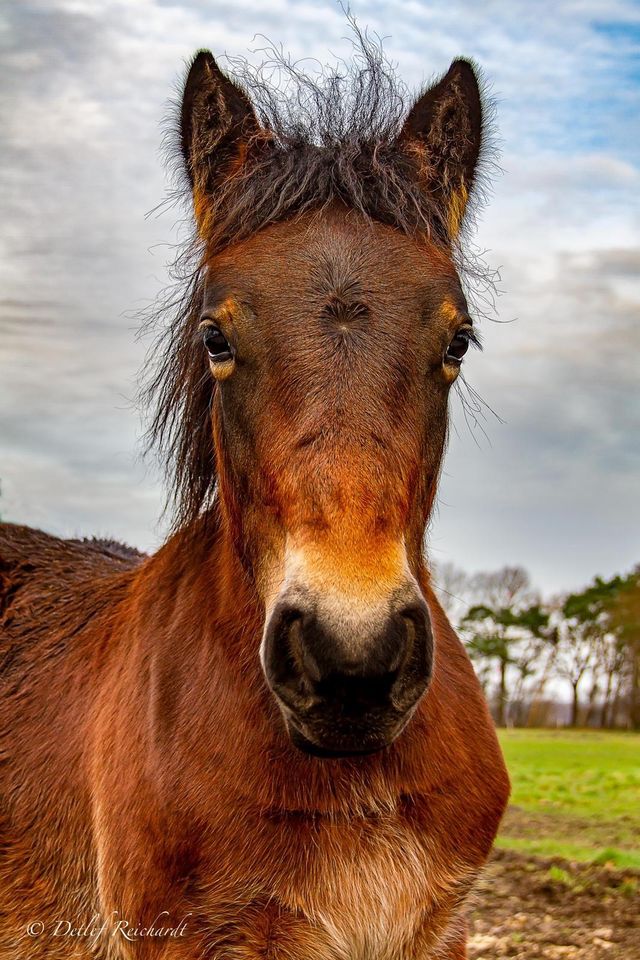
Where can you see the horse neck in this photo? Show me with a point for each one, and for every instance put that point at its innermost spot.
(198, 579)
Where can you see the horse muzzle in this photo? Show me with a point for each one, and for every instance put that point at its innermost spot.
(347, 679)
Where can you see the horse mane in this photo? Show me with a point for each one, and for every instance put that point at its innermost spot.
(113, 549)
(332, 137)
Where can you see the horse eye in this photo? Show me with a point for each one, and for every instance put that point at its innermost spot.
(217, 345)
(458, 346)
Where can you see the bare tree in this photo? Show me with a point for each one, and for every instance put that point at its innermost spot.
(575, 655)
(505, 627)
(452, 585)
(506, 587)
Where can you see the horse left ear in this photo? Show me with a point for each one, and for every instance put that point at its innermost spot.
(444, 132)
(217, 125)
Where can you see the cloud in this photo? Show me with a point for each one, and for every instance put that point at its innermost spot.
(555, 483)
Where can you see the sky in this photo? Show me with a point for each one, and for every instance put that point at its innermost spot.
(85, 86)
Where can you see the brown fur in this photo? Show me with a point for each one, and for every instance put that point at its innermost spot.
(142, 774)
(145, 769)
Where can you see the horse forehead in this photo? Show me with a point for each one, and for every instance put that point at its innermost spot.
(340, 278)
(323, 255)
(359, 259)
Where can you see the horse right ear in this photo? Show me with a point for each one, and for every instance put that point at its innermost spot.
(217, 122)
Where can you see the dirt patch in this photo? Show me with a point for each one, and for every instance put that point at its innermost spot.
(538, 909)
(623, 832)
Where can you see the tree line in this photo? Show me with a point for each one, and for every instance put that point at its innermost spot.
(572, 659)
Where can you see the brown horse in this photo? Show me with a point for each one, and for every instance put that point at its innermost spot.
(266, 740)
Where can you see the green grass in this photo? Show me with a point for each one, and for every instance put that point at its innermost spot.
(575, 794)
(551, 847)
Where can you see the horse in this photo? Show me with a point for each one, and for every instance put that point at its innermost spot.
(266, 740)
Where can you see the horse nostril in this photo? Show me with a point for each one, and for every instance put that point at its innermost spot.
(299, 650)
(289, 665)
(416, 665)
(417, 626)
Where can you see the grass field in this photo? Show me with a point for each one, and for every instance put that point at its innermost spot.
(576, 794)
